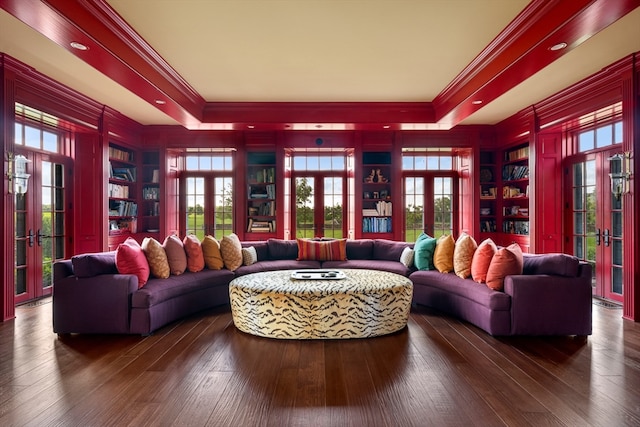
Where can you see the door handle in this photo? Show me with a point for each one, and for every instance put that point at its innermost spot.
(606, 237)
(39, 237)
(30, 237)
(597, 237)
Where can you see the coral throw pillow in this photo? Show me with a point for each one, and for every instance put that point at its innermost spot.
(318, 250)
(176, 256)
(505, 262)
(424, 248)
(231, 250)
(156, 257)
(482, 259)
(463, 255)
(195, 257)
(130, 259)
(211, 250)
(443, 255)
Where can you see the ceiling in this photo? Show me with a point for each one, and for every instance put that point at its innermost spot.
(210, 61)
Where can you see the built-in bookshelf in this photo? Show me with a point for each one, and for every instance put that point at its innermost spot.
(122, 195)
(377, 206)
(149, 215)
(261, 192)
(515, 191)
(488, 192)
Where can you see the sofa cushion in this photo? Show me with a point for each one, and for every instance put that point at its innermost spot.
(424, 248)
(211, 253)
(322, 250)
(360, 249)
(553, 263)
(278, 264)
(193, 249)
(443, 255)
(261, 247)
(89, 265)
(282, 249)
(130, 259)
(156, 257)
(388, 250)
(369, 264)
(231, 250)
(176, 256)
(249, 255)
(505, 262)
(482, 259)
(463, 252)
(406, 258)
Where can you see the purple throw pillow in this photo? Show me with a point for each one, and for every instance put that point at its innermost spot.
(94, 264)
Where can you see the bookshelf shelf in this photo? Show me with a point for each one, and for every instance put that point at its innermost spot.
(261, 200)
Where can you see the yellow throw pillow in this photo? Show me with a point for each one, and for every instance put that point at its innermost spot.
(443, 255)
(231, 251)
(156, 257)
(211, 251)
(463, 255)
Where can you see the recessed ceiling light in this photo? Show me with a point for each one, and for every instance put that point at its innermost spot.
(386, 126)
(558, 46)
(477, 102)
(250, 126)
(160, 101)
(79, 46)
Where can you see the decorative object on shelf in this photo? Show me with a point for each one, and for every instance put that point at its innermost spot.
(619, 166)
(371, 176)
(486, 175)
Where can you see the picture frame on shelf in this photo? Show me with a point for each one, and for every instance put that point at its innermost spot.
(384, 194)
(367, 195)
(376, 195)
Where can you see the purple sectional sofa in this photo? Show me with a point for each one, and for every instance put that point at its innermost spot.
(551, 297)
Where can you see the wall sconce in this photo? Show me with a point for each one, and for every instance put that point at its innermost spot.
(17, 173)
(619, 166)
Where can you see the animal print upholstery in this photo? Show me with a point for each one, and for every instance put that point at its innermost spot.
(365, 304)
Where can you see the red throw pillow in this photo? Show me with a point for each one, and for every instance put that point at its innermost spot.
(322, 250)
(482, 259)
(130, 259)
(505, 262)
(195, 256)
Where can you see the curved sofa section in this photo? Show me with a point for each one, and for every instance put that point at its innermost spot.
(552, 297)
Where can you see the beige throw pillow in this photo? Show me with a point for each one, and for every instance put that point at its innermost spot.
(463, 255)
(156, 257)
(231, 251)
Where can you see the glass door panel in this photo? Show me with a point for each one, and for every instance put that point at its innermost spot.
(333, 207)
(306, 226)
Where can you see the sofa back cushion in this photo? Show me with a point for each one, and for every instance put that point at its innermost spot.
(553, 263)
(360, 249)
(322, 250)
(261, 247)
(94, 264)
(282, 249)
(176, 256)
(388, 250)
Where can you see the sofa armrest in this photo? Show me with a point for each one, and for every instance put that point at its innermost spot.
(99, 304)
(62, 269)
(550, 305)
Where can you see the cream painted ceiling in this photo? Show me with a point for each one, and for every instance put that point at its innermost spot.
(319, 51)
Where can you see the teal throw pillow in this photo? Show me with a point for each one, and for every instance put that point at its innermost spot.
(424, 248)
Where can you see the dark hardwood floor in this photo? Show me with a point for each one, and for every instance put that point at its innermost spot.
(202, 371)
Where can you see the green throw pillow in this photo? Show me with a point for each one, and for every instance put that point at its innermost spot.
(424, 248)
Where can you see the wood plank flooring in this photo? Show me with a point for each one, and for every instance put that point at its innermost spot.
(202, 371)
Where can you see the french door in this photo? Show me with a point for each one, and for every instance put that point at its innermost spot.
(319, 205)
(596, 224)
(208, 204)
(430, 203)
(40, 225)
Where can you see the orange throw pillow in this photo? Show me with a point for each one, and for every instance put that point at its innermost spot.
(195, 257)
(482, 259)
(443, 255)
(505, 262)
(130, 259)
(211, 250)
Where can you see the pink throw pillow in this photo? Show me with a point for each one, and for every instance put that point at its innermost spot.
(130, 259)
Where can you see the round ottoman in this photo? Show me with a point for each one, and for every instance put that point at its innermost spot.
(366, 303)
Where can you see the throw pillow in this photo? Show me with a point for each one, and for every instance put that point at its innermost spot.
(249, 255)
(406, 258)
(176, 256)
(156, 257)
(211, 251)
(463, 255)
(424, 248)
(130, 259)
(94, 264)
(505, 262)
(443, 255)
(482, 259)
(329, 250)
(231, 250)
(195, 257)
